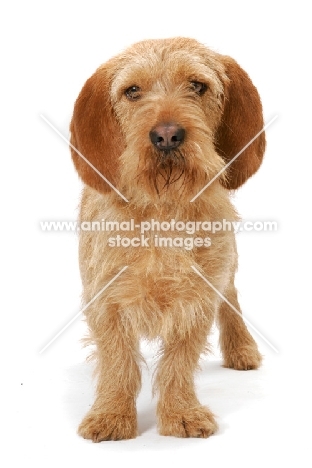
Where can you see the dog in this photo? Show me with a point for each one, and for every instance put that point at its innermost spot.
(155, 135)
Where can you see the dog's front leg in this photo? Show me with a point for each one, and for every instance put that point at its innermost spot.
(113, 414)
(179, 412)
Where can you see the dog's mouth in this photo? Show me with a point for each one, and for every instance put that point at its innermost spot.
(170, 166)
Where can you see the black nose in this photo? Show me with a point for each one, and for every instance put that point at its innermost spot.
(167, 136)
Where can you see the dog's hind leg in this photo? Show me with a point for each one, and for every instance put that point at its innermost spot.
(238, 347)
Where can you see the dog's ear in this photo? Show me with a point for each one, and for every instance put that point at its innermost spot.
(241, 121)
(95, 132)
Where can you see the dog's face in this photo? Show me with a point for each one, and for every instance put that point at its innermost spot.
(163, 118)
(168, 98)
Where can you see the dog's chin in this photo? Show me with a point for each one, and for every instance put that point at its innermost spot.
(169, 168)
(168, 176)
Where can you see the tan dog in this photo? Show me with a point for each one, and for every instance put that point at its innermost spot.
(159, 122)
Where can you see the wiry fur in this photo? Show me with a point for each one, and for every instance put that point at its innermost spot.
(159, 295)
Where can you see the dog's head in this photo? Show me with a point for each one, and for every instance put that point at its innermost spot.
(167, 115)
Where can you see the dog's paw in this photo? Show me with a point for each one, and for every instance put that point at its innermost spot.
(197, 422)
(102, 426)
(245, 358)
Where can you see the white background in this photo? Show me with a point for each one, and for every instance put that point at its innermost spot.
(48, 50)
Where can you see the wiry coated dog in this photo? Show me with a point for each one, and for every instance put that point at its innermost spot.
(159, 122)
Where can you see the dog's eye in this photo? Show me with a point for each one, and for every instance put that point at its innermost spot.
(198, 87)
(133, 93)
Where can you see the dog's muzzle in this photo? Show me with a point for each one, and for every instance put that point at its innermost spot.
(167, 136)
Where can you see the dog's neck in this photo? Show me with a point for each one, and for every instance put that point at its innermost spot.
(174, 204)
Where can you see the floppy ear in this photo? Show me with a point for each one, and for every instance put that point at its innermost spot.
(241, 121)
(95, 132)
